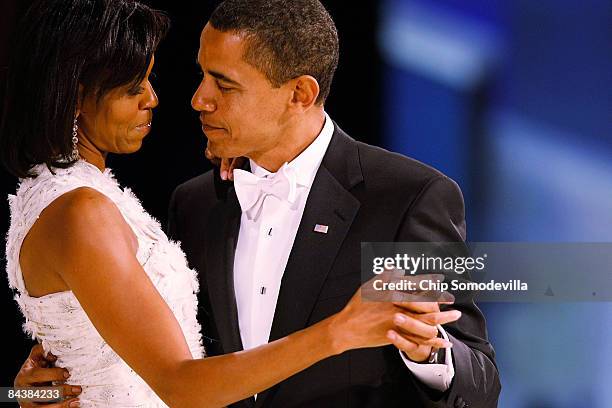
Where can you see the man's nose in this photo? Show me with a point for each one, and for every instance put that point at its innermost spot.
(203, 99)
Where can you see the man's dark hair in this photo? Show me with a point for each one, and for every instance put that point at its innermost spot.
(286, 38)
(59, 45)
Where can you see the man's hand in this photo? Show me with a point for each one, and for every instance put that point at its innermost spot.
(38, 370)
(227, 166)
(416, 332)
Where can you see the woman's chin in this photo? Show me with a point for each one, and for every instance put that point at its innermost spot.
(132, 148)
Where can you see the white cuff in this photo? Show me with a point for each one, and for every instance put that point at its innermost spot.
(436, 376)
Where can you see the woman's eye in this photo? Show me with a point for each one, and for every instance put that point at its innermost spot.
(139, 90)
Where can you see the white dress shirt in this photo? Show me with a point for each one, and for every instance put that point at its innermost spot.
(264, 243)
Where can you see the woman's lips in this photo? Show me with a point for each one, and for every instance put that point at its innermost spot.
(144, 126)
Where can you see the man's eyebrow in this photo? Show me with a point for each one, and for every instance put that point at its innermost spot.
(223, 78)
(220, 76)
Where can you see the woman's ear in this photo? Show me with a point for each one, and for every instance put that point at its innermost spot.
(305, 91)
(79, 105)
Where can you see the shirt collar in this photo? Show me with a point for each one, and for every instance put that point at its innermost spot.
(306, 163)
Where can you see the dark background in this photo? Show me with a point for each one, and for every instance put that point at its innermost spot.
(174, 150)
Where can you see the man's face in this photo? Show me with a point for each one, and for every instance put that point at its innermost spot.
(242, 114)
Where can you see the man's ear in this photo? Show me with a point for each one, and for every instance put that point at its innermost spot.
(305, 92)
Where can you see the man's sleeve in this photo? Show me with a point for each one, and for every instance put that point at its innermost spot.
(437, 214)
(435, 376)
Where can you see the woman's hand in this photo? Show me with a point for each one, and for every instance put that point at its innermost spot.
(226, 165)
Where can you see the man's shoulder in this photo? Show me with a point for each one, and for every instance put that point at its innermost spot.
(381, 166)
(379, 163)
(197, 189)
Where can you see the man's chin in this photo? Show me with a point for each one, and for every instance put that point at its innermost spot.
(223, 152)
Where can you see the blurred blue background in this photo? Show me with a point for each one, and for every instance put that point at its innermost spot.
(513, 99)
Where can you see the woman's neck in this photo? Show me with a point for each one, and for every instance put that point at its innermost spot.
(93, 156)
(90, 153)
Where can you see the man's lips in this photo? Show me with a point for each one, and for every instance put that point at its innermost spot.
(206, 125)
(209, 128)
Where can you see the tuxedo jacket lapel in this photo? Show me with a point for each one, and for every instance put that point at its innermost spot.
(224, 225)
(313, 253)
(329, 203)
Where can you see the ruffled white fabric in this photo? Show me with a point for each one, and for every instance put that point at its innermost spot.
(59, 322)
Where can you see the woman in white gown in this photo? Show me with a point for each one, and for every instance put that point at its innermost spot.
(100, 285)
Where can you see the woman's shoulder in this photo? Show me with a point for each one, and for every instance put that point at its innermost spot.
(82, 203)
(85, 215)
(73, 202)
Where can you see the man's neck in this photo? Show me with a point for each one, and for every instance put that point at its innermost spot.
(294, 142)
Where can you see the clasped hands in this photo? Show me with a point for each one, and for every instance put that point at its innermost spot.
(417, 314)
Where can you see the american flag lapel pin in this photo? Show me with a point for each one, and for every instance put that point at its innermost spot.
(321, 228)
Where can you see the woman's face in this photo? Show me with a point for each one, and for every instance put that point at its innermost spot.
(120, 120)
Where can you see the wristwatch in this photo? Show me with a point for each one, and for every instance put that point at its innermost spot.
(434, 356)
(437, 355)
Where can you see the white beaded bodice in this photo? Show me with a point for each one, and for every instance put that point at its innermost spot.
(59, 322)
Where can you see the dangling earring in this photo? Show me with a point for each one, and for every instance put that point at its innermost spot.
(74, 156)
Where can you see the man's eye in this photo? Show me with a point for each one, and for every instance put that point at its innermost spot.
(223, 88)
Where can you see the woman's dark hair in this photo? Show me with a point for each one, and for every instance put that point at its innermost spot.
(59, 45)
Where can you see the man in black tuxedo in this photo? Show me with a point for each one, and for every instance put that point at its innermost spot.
(278, 249)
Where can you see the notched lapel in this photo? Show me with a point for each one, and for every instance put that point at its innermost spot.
(331, 204)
